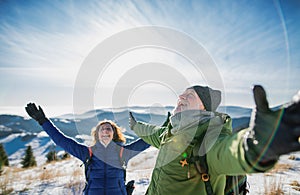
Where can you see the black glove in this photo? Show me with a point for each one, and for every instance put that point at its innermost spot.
(167, 120)
(35, 113)
(273, 132)
(132, 120)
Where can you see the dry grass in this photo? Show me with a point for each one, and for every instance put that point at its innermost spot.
(135, 163)
(16, 169)
(279, 168)
(76, 187)
(29, 178)
(295, 185)
(76, 182)
(273, 186)
(147, 162)
(292, 157)
(76, 176)
(47, 173)
(5, 180)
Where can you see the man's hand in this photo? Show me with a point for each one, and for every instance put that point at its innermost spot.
(36, 113)
(273, 132)
(167, 120)
(132, 120)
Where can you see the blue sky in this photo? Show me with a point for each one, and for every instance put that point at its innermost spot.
(44, 43)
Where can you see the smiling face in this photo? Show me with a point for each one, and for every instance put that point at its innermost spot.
(189, 100)
(106, 133)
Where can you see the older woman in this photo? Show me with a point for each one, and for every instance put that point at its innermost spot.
(107, 155)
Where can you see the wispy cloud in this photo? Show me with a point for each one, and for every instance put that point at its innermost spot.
(45, 42)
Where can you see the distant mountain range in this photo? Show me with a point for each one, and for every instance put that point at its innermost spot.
(16, 132)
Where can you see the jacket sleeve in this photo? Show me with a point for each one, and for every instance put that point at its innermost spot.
(135, 148)
(227, 156)
(149, 133)
(67, 143)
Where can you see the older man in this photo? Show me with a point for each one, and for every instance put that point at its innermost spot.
(196, 122)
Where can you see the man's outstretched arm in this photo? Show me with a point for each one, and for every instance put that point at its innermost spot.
(272, 133)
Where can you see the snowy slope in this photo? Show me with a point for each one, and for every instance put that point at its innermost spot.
(66, 177)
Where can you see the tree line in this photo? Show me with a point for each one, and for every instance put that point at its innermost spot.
(29, 159)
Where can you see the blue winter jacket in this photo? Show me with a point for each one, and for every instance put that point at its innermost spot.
(105, 175)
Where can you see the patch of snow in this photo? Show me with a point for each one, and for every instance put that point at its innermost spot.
(64, 120)
(42, 134)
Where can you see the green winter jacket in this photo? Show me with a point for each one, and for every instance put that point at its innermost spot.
(225, 155)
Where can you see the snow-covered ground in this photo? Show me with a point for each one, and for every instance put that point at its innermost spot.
(285, 176)
(66, 177)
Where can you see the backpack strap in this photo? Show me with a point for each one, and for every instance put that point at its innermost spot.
(205, 176)
(90, 151)
(89, 160)
(86, 164)
(122, 161)
(130, 185)
(201, 166)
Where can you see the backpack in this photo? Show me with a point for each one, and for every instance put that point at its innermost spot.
(129, 186)
(235, 185)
